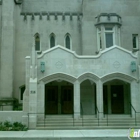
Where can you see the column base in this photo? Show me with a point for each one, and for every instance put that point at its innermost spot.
(77, 115)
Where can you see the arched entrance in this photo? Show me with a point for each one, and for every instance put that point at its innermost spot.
(88, 97)
(59, 97)
(116, 97)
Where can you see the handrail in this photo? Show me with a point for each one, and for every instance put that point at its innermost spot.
(81, 112)
(73, 119)
(135, 113)
(97, 110)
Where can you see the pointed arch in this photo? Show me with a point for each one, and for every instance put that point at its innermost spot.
(52, 40)
(119, 76)
(37, 41)
(89, 76)
(68, 41)
(58, 76)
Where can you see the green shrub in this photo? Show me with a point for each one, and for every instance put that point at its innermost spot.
(16, 126)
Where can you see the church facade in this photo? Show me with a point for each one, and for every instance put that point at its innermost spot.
(70, 57)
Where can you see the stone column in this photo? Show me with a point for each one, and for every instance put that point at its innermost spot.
(99, 98)
(33, 90)
(135, 97)
(7, 49)
(41, 100)
(76, 99)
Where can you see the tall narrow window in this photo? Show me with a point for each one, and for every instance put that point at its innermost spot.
(99, 38)
(52, 40)
(135, 41)
(37, 42)
(109, 37)
(67, 42)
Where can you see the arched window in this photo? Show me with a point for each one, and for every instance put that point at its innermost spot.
(52, 40)
(67, 41)
(37, 42)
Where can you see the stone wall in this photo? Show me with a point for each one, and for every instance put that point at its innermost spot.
(12, 116)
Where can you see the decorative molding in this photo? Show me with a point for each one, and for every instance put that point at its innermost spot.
(33, 17)
(25, 17)
(48, 16)
(63, 16)
(40, 16)
(71, 17)
(18, 1)
(101, 20)
(55, 14)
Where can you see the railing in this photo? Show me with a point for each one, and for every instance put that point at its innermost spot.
(81, 112)
(73, 119)
(28, 114)
(98, 114)
(132, 107)
(97, 111)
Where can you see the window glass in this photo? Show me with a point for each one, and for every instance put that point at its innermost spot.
(100, 40)
(52, 41)
(67, 42)
(37, 43)
(109, 39)
(135, 41)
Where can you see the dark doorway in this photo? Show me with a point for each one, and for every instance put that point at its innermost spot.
(67, 100)
(51, 100)
(59, 98)
(117, 99)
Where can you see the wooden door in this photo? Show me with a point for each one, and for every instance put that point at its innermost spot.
(117, 99)
(67, 100)
(51, 100)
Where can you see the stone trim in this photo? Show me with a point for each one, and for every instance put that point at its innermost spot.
(108, 19)
(55, 14)
(85, 56)
(18, 1)
(120, 76)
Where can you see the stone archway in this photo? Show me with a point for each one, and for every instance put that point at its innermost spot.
(116, 97)
(59, 97)
(88, 97)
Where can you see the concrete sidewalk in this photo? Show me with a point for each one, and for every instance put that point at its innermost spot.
(117, 134)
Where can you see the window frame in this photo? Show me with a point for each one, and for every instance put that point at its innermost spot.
(52, 35)
(137, 41)
(101, 35)
(70, 41)
(37, 35)
(109, 32)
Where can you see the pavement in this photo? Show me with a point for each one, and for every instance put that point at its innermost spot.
(65, 133)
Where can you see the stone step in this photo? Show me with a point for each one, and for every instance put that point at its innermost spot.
(88, 123)
(84, 127)
(67, 122)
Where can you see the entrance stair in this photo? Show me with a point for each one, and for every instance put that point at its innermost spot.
(87, 122)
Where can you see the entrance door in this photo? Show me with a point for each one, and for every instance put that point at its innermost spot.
(67, 100)
(51, 97)
(117, 99)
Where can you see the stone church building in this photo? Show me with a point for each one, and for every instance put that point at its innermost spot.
(70, 58)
